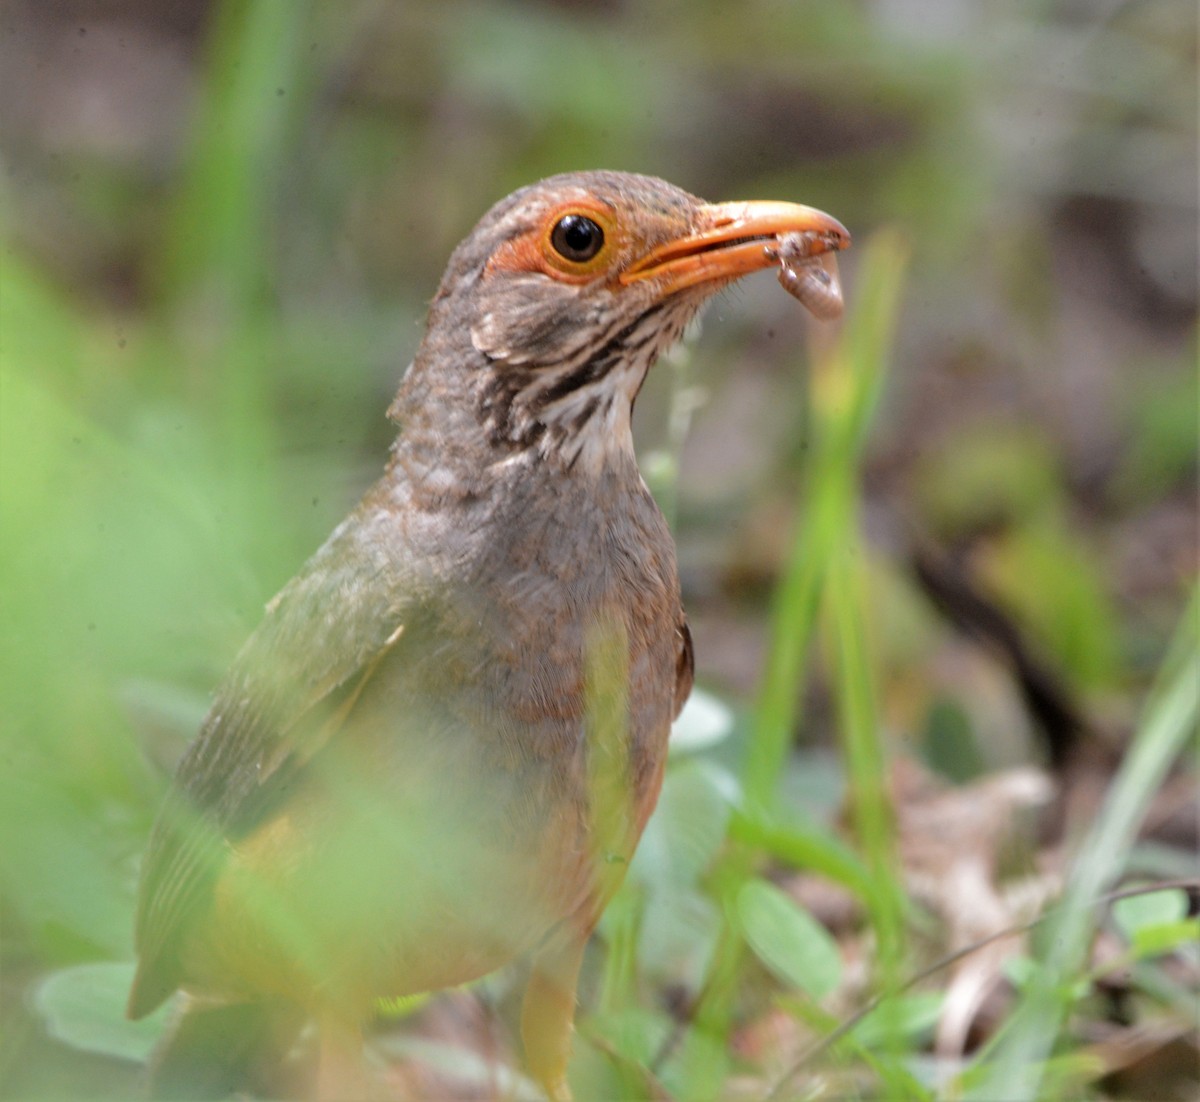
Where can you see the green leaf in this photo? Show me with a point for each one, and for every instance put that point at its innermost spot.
(699, 1068)
(687, 827)
(678, 934)
(1055, 585)
(58, 874)
(788, 940)
(1136, 912)
(704, 721)
(1003, 473)
(1166, 937)
(635, 1032)
(916, 1014)
(805, 845)
(1156, 922)
(84, 1007)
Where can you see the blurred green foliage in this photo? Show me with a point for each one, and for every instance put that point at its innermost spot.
(219, 232)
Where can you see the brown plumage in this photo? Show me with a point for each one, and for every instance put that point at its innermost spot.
(438, 750)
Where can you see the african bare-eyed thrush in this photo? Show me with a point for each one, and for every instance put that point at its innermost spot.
(438, 750)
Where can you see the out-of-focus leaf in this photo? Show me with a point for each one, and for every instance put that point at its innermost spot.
(1155, 923)
(687, 827)
(58, 873)
(84, 1007)
(1022, 972)
(1163, 429)
(846, 384)
(704, 721)
(949, 744)
(803, 844)
(1136, 912)
(1053, 582)
(1019, 1061)
(813, 786)
(788, 940)
(1165, 937)
(917, 1015)
(999, 473)
(521, 63)
(699, 1068)
(635, 1032)
(677, 936)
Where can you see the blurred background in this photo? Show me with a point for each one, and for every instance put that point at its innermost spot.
(221, 223)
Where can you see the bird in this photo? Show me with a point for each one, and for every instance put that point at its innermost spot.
(436, 753)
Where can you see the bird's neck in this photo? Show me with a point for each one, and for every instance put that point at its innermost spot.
(465, 429)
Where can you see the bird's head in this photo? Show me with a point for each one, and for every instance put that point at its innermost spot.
(565, 293)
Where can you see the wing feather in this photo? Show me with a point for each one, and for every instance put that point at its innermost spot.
(291, 687)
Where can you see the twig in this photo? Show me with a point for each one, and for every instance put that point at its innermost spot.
(830, 1039)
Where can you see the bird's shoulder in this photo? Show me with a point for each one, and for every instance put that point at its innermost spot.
(328, 626)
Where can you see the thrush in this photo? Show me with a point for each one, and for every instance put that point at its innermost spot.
(439, 748)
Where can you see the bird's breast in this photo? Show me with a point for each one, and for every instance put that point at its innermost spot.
(546, 647)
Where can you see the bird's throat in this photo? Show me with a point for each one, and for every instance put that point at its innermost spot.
(577, 415)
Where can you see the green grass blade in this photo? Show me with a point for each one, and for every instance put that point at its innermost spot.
(220, 256)
(871, 812)
(1016, 1068)
(866, 758)
(256, 55)
(846, 387)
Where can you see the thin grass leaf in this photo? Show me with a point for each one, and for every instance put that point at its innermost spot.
(807, 847)
(1016, 1069)
(257, 52)
(846, 386)
(220, 255)
(849, 381)
(866, 762)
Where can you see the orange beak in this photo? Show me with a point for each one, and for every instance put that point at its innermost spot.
(733, 239)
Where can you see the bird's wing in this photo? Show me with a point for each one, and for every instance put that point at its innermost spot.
(293, 684)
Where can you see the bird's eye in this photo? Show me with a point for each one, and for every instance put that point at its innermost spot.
(577, 238)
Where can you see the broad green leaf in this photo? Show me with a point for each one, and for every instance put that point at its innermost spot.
(788, 940)
(688, 826)
(635, 1032)
(678, 933)
(1137, 912)
(917, 1014)
(84, 1007)
(59, 875)
(699, 1068)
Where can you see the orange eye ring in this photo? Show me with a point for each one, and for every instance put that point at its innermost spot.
(578, 240)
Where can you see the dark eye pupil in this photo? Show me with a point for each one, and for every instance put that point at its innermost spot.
(576, 237)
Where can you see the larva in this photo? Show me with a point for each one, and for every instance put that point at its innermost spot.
(811, 280)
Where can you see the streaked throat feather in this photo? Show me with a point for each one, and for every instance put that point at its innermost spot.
(577, 412)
